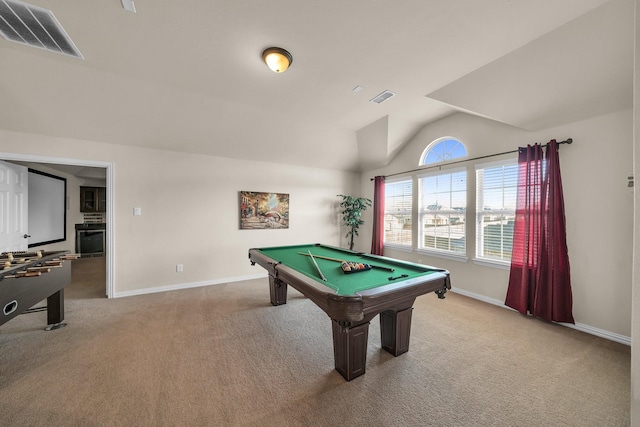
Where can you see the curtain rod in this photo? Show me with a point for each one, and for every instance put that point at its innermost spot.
(567, 141)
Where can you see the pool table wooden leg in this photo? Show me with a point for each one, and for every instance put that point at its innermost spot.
(395, 330)
(350, 349)
(277, 290)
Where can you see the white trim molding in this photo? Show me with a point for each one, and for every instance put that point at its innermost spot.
(578, 326)
(181, 286)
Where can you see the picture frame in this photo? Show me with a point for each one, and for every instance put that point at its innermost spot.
(260, 210)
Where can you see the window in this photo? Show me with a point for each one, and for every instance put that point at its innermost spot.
(496, 191)
(443, 199)
(443, 150)
(398, 202)
(442, 211)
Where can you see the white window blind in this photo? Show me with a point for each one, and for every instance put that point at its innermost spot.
(398, 203)
(442, 211)
(496, 191)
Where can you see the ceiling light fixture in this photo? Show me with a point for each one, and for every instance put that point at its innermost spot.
(277, 59)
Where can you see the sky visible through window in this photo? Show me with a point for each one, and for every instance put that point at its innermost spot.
(444, 150)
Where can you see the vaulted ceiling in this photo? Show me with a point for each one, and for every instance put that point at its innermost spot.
(187, 75)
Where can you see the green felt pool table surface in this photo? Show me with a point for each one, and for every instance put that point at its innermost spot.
(296, 257)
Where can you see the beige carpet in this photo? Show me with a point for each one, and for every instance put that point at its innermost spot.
(223, 356)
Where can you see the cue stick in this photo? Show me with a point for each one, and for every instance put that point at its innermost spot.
(317, 268)
(342, 260)
(322, 257)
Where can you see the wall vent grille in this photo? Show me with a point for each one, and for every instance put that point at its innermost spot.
(383, 97)
(34, 26)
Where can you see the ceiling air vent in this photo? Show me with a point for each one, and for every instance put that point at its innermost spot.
(34, 26)
(383, 97)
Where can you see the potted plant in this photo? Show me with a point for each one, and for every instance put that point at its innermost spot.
(352, 209)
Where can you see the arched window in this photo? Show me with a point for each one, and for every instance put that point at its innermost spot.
(442, 206)
(442, 150)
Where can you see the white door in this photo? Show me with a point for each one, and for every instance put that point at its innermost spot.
(14, 199)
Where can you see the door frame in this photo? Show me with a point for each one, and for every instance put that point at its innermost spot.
(110, 239)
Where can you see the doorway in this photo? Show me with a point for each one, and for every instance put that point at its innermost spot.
(72, 167)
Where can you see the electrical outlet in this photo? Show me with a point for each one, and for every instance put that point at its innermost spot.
(179, 268)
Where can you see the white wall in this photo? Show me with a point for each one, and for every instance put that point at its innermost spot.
(598, 208)
(190, 212)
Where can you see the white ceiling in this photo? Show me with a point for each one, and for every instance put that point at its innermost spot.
(187, 75)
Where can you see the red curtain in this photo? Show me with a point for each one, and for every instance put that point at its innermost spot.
(539, 281)
(377, 244)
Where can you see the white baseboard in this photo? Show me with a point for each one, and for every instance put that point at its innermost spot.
(186, 285)
(578, 326)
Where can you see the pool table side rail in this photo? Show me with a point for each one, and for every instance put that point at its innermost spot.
(422, 284)
(398, 262)
(257, 257)
(354, 254)
(403, 263)
(353, 308)
(407, 292)
(314, 290)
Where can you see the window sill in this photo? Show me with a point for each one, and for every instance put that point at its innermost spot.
(503, 265)
(444, 255)
(399, 248)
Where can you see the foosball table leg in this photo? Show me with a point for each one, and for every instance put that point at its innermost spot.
(55, 311)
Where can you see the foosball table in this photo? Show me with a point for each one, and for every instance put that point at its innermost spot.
(26, 278)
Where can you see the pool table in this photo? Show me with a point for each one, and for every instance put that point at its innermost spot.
(351, 299)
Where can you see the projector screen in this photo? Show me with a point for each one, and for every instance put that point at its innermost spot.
(47, 208)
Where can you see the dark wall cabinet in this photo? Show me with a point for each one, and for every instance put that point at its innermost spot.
(93, 199)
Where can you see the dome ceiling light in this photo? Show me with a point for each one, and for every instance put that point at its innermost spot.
(277, 59)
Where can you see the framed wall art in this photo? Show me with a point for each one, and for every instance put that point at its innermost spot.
(263, 210)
